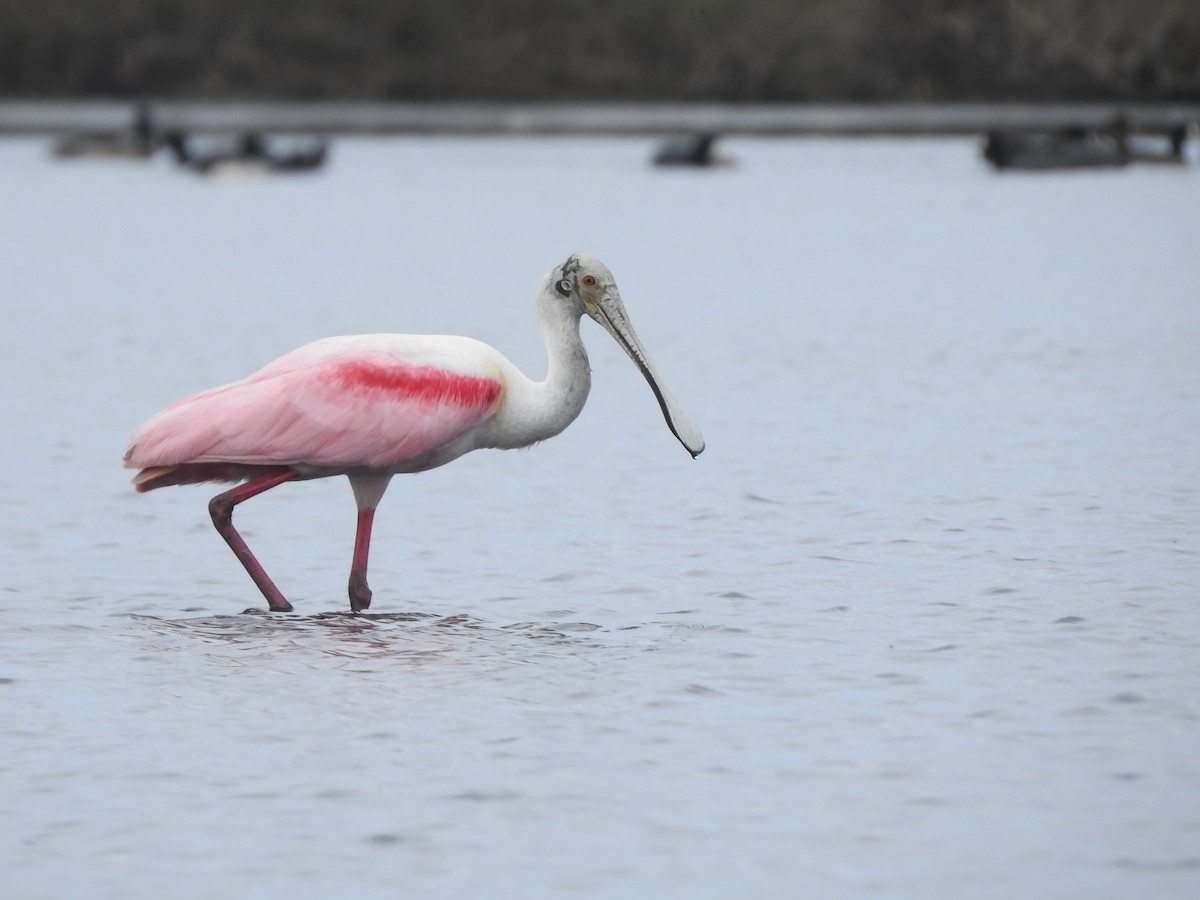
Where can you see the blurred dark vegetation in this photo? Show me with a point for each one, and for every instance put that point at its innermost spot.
(724, 50)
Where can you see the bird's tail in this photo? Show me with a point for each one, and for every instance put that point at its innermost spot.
(153, 477)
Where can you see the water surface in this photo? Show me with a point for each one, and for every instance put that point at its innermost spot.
(921, 621)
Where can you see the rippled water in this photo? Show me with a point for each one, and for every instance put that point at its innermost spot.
(922, 621)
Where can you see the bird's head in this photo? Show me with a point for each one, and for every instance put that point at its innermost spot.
(587, 282)
(584, 280)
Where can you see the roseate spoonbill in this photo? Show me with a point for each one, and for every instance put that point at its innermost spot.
(372, 406)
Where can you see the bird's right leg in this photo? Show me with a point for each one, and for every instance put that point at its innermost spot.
(360, 591)
(221, 507)
(368, 491)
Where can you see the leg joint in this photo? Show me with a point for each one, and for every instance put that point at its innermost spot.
(220, 508)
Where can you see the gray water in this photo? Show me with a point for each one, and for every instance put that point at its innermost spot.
(922, 620)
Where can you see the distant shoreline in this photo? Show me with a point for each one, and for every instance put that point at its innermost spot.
(49, 117)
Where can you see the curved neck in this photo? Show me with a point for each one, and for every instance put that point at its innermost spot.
(568, 375)
(537, 410)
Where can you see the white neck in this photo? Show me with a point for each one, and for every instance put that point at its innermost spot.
(536, 410)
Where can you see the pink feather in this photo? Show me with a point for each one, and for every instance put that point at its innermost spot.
(372, 401)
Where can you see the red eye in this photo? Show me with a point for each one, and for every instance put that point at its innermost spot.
(589, 280)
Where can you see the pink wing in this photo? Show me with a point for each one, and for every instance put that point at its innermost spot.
(376, 401)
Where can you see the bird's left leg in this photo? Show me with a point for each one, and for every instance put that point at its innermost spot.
(221, 510)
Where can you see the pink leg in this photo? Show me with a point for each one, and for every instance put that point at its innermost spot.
(360, 594)
(221, 507)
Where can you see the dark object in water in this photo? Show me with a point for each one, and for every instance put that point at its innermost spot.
(250, 151)
(689, 150)
(1160, 148)
(1108, 146)
(1065, 148)
(140, 141)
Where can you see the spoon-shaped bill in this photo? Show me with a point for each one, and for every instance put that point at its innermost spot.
(610, 313)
